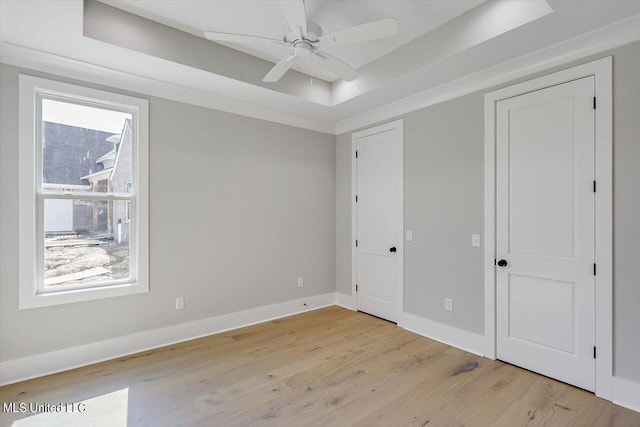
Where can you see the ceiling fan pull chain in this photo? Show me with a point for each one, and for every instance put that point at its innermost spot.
(311, 80)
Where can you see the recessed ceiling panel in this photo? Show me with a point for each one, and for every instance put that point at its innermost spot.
(265, 18)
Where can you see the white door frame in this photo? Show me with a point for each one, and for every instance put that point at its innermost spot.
(602, 71)
(399, 125)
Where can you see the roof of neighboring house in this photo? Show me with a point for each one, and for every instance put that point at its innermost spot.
(98, 176)
(114, 138)
(126, 134)
(70, 153)
(111, 154)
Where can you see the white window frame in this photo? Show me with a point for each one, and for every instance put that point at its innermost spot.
(31, 195)
(128, 206)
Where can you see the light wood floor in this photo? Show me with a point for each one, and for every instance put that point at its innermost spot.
(329, 367)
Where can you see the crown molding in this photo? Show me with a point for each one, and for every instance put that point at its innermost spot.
(592, 43)
(69, 68)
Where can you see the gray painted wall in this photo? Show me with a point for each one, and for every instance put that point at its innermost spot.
(254, 204)
(239, 209)
(444, 158)
(443, 181)
(343, 213)
(626, 211)
(444, 206)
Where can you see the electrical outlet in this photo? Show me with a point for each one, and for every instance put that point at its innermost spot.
(448, 304)
(300, 282)
(475, 240)
(179, 303)
(409, 236)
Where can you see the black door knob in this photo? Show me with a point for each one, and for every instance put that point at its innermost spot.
(502, 263)
(393, 249)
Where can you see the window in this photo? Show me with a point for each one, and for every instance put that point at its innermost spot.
(83, 187)
(128, 209)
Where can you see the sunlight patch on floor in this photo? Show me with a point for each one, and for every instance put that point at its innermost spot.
(107, 410)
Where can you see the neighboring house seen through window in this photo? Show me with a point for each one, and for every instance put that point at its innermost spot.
(87, 195)
(128, 213)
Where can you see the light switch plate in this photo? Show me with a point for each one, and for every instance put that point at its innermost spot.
(475, 240)
(409, 236)
(448, 304)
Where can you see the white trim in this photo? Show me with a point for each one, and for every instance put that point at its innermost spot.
(354, 225)
(30, 195)
(394, 125)
(626, 393)
(489, 227)
(25, 368)
(46, 62)
(127, 128)
(456, 337)
(114, 139)
(65, 187)
(592, 43)
(345, 301)
(111, 153)
(98, 176)
(602, 70)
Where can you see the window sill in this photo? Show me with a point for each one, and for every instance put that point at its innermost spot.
(33, 300)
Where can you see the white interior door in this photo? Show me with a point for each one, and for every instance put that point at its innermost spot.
(545, 224)
(379, 189)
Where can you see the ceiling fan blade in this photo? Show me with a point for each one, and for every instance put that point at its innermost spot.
(295, 14)
(337, 67)
(360, 33)
(279, 69)
(240, 38)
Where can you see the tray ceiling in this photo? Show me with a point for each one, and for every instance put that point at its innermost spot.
(265, 18)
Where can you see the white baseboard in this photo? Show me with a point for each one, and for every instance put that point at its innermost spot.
(344, 300)
(12, 371)
(464, 340)
(626, 393)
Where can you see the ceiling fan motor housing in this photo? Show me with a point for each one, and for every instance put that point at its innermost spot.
(307, 39)
(314, 31)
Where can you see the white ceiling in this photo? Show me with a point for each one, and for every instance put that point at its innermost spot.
(471, 52)
(265, 18)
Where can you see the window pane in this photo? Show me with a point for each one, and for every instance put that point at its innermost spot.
(85, 148)
(86, 241)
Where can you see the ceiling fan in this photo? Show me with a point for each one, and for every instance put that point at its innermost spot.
(306, 39)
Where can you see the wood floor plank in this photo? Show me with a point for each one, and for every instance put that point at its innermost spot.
(328, 367)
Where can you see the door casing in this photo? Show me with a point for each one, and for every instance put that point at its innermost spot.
(602, 71)
(399, 126)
